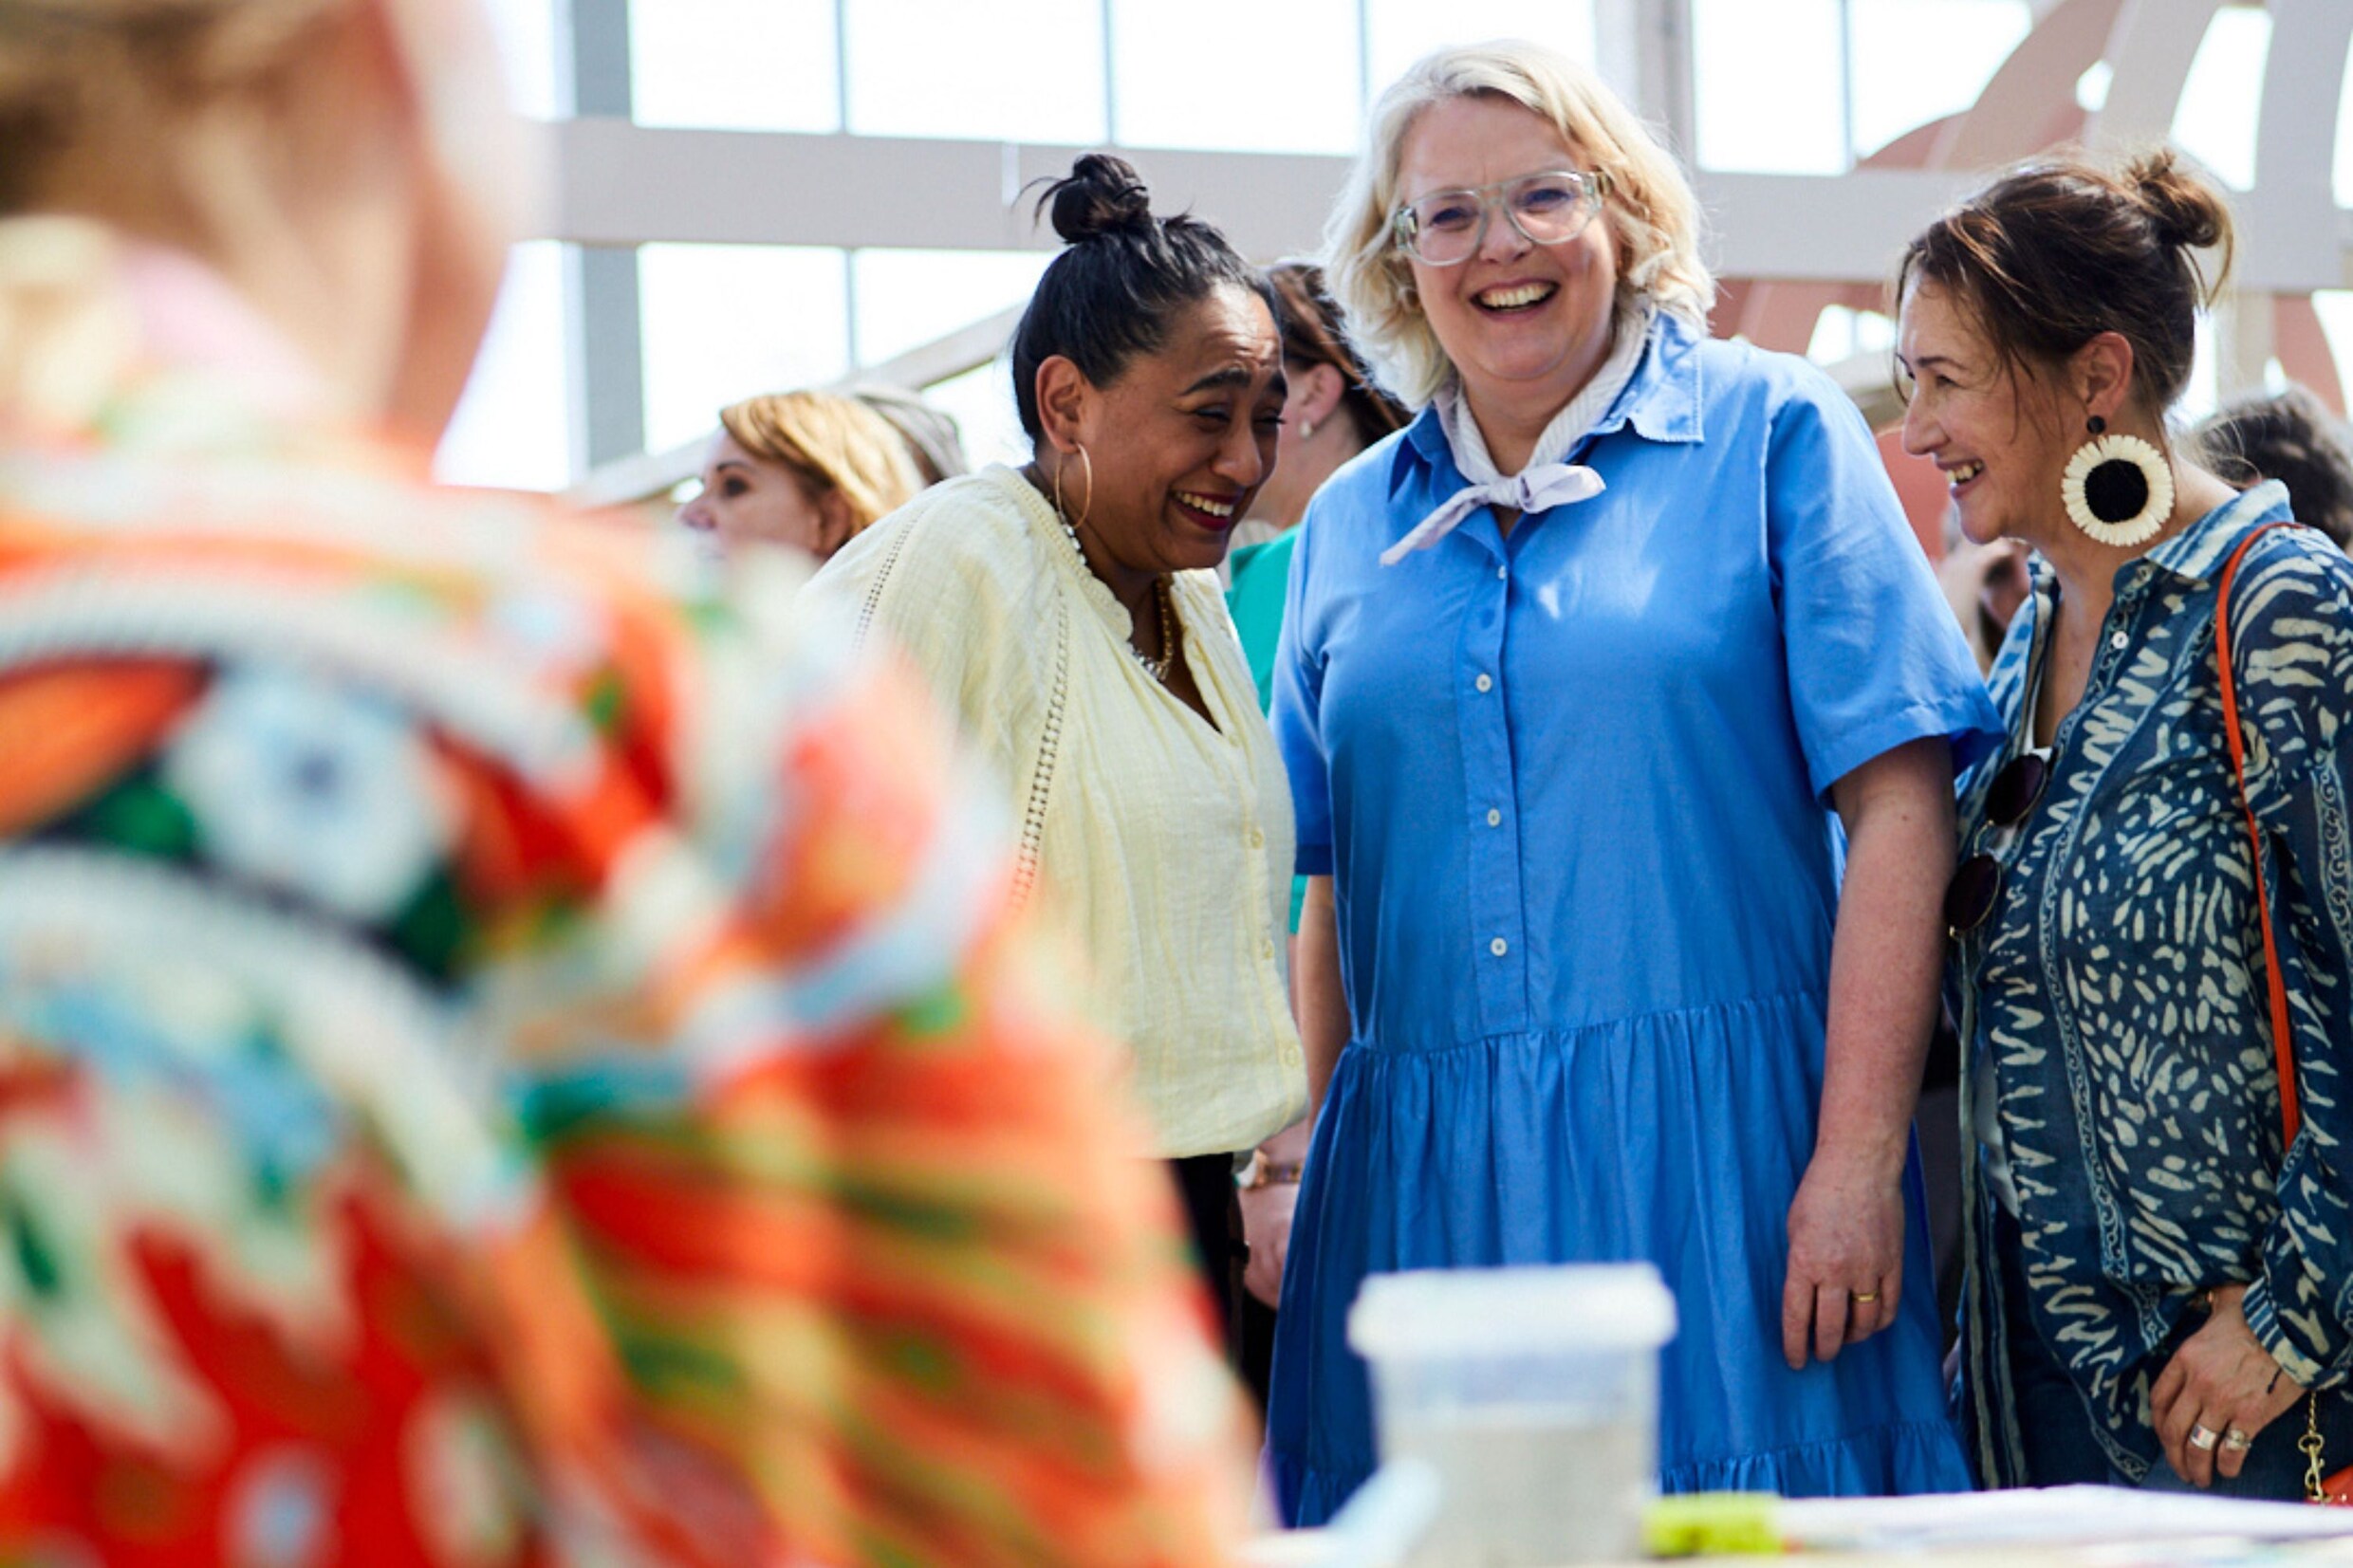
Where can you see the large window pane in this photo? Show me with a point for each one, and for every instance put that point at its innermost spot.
(960, 68)
(513, 427)
(526, 31)
(1765, 85)
(1918, 61)
(1181, 75)
(910, 298)
(727, 321)
(1397, 33)
(735, 64)
(2215, 119)
(2335, 309)
(981, 401)
(2343, 163)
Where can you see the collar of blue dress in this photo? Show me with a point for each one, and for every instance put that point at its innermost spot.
(1661, 402)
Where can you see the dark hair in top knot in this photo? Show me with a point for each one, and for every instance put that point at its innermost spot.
(2184, 210)
(2058, 250)
(1120, 283)
(1101, 195)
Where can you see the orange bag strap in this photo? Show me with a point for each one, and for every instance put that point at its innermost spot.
(2283, 1044)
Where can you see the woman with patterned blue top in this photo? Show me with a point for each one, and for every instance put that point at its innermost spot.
(2154, 1281)
(1580, 674)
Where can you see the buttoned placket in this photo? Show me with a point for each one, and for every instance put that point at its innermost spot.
(2115, 642)
(1483, 700)
(1235, 762)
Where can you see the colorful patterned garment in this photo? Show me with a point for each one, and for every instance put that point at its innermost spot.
(508, 1055)
(2114, 1008)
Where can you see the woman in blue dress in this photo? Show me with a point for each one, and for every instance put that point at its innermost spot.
(1593, 681)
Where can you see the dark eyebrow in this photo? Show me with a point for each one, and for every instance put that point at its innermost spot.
(730, 463)
(1218, 380)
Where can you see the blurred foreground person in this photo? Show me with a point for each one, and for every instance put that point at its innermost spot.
(810, 470)
(505, 1055)
(2153, 925)
(2289, 436)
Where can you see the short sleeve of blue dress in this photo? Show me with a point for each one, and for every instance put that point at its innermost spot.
(1570, 785)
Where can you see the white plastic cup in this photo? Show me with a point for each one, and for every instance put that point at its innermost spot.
(1533, 1393)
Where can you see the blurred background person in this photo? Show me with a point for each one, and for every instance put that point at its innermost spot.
(1984, 585)
(1574, 672)
(1069, 612)
(810, 470)
(1334, 409)
(2159, 1270)
(933, 442)
(1331, 412)
(2289, 436)
(505, 1055)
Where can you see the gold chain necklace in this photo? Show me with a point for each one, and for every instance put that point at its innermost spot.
(1163, 601)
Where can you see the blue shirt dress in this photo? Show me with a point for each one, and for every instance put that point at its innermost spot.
(1573, 788)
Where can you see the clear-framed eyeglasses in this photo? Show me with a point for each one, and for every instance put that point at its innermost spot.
(1446, 228)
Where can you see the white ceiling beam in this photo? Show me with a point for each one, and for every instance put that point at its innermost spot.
(618, 183)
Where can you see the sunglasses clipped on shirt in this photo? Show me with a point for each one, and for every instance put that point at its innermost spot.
(1977, 885)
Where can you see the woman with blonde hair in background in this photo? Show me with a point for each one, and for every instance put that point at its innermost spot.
(1581, 675)
(511, 1049)
(804, 469)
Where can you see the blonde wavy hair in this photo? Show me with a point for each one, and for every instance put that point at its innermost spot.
(829, 443)
(81, 73)
(99, 80)
(1652, 213)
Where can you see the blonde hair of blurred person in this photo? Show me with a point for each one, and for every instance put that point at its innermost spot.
(804, 469)
(342, 165)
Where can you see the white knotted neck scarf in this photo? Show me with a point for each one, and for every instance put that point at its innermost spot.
(1547, 482)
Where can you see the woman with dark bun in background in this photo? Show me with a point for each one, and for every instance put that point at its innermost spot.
(2159, 1267)
(1069, 612)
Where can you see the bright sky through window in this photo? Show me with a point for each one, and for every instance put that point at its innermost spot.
(1788, 87)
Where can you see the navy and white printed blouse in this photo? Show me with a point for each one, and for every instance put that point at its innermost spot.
(2117, 992)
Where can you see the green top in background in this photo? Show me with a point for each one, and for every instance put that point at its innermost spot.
(1261, 577)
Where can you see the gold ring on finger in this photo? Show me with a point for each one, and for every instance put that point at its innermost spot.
(1867, 1295)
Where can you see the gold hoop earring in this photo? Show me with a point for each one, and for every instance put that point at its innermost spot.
(1087, 506)
(1064, 512)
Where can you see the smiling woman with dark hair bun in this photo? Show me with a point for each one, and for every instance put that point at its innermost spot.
(1070, 613)
(2152, 924)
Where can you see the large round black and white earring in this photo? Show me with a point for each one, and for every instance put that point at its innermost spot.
(2119, 489)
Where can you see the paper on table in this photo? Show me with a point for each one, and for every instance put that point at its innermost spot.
(2046, 1516)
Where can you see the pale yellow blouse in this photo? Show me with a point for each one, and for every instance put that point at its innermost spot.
(1162, 841)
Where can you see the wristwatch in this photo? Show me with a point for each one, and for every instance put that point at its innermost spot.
(1262, 1171)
